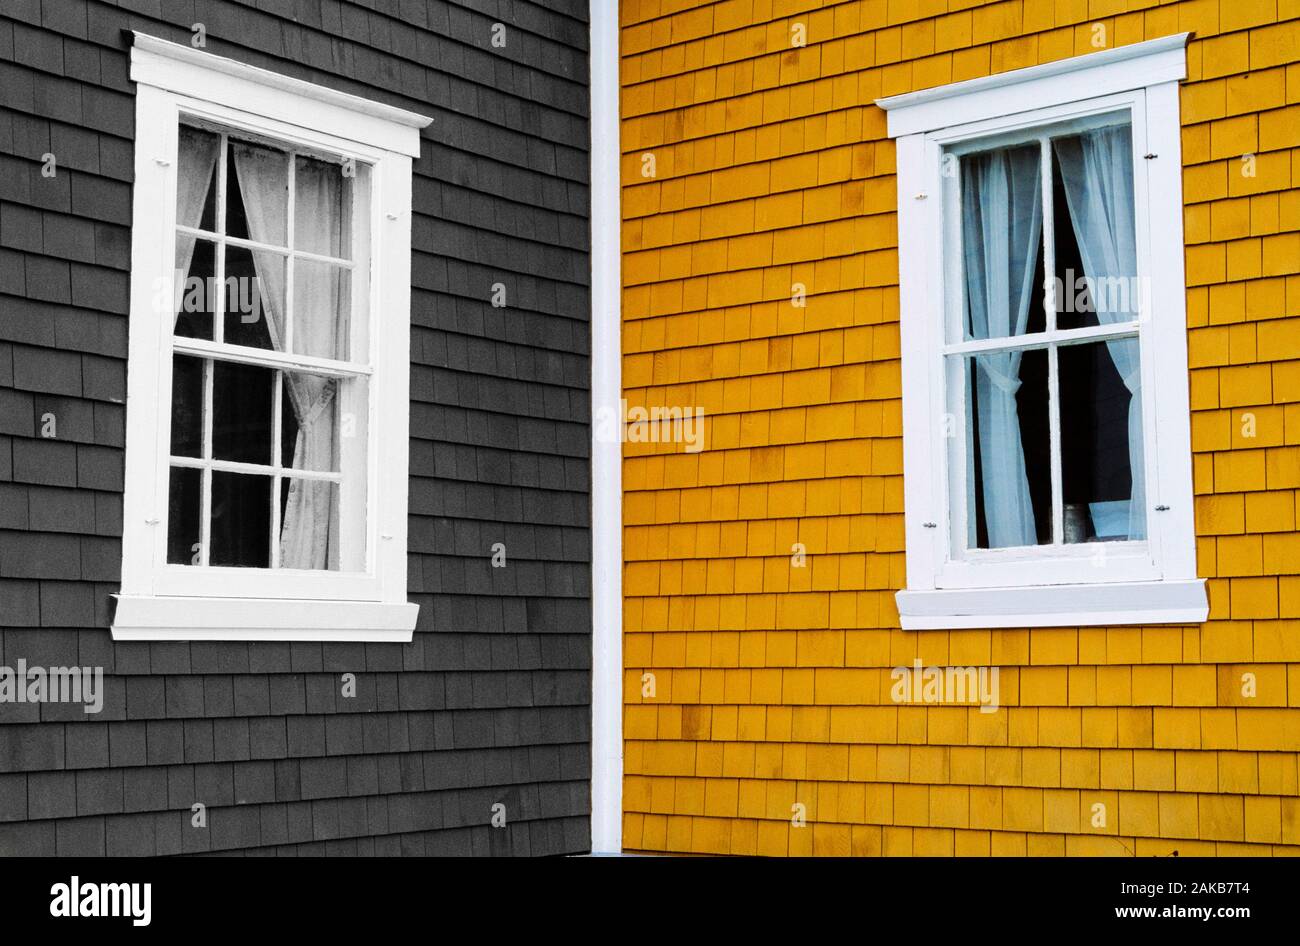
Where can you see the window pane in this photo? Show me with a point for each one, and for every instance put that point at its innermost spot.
(254, 298)
(309, 530)
(257, 193)
(322, 207)
(308, 426)
(242, 396)
(1008, 443)
(184, 501)
(1096, 235)
(196, 270)
(1101, 441)
(196, 182)
(1001, 226)
(241, 520)
(187, 406)
(322, 304)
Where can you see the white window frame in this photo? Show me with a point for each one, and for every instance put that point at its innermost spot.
(1149, 582)
(159, 601)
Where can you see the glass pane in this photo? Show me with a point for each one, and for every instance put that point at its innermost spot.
(254, 298)
(242, 396)
(1101, 442)
(309, 430)
(187, 406)
(257, 193)
(184, 502)
(196, 272)
(241, 520)
(196, 182)
(1008, 444)
(323, 207)
(1096, 237)
(322, 303)
(1002, 226)
(309, 524)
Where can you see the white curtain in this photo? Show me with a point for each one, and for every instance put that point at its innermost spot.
(1001, 227)
(309, 533)
(195, 164)
(1097, 169)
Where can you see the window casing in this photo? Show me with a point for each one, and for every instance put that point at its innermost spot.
(267, 417)
(1047, 470)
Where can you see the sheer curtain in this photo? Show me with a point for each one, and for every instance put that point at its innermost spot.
(309, 532)
(196, 163)
(1097, 169)
(1001, 227)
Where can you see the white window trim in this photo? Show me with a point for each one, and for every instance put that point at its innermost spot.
(1022, 588)
(157, 601)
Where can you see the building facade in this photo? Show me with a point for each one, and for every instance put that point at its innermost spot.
(409, 741)
(749, 427)
(764, 260)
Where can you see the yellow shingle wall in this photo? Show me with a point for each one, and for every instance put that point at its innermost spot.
(771, 682)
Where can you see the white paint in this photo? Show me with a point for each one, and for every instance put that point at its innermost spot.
(949, 585)
(159, 601)
(606, 453)
(1121, 69)
(173, 619)
(188, 71)
(1149, 602)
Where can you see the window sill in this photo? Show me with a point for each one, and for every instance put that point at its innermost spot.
(1143, 602)
(141, 618)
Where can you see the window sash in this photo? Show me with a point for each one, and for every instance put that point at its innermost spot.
(956, 353)
(354, 524)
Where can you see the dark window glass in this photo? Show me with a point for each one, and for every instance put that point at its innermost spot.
(184, 501)
(195, 301)
(187, 406)
(241, 520)
(242, 396)
(1096, 466)
(251, 288)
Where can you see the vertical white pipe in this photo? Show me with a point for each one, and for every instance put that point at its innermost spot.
(606, 451)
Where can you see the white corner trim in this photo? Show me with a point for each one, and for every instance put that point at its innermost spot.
(606, 453)
(1143, 602)
(192, 72)
(141, 618)
(1121, 69)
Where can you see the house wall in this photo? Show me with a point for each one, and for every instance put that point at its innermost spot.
(490, 702)
(771, 682)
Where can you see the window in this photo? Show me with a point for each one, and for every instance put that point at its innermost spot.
(1047, 463)
(267, 410)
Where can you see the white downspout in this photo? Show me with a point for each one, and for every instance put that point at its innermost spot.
(606, 450)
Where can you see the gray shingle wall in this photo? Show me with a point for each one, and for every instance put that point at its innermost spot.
(490, 703)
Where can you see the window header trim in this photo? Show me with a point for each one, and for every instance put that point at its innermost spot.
(1122, 69)
(187, 71)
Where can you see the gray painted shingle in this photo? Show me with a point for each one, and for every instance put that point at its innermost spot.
(490, 700)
